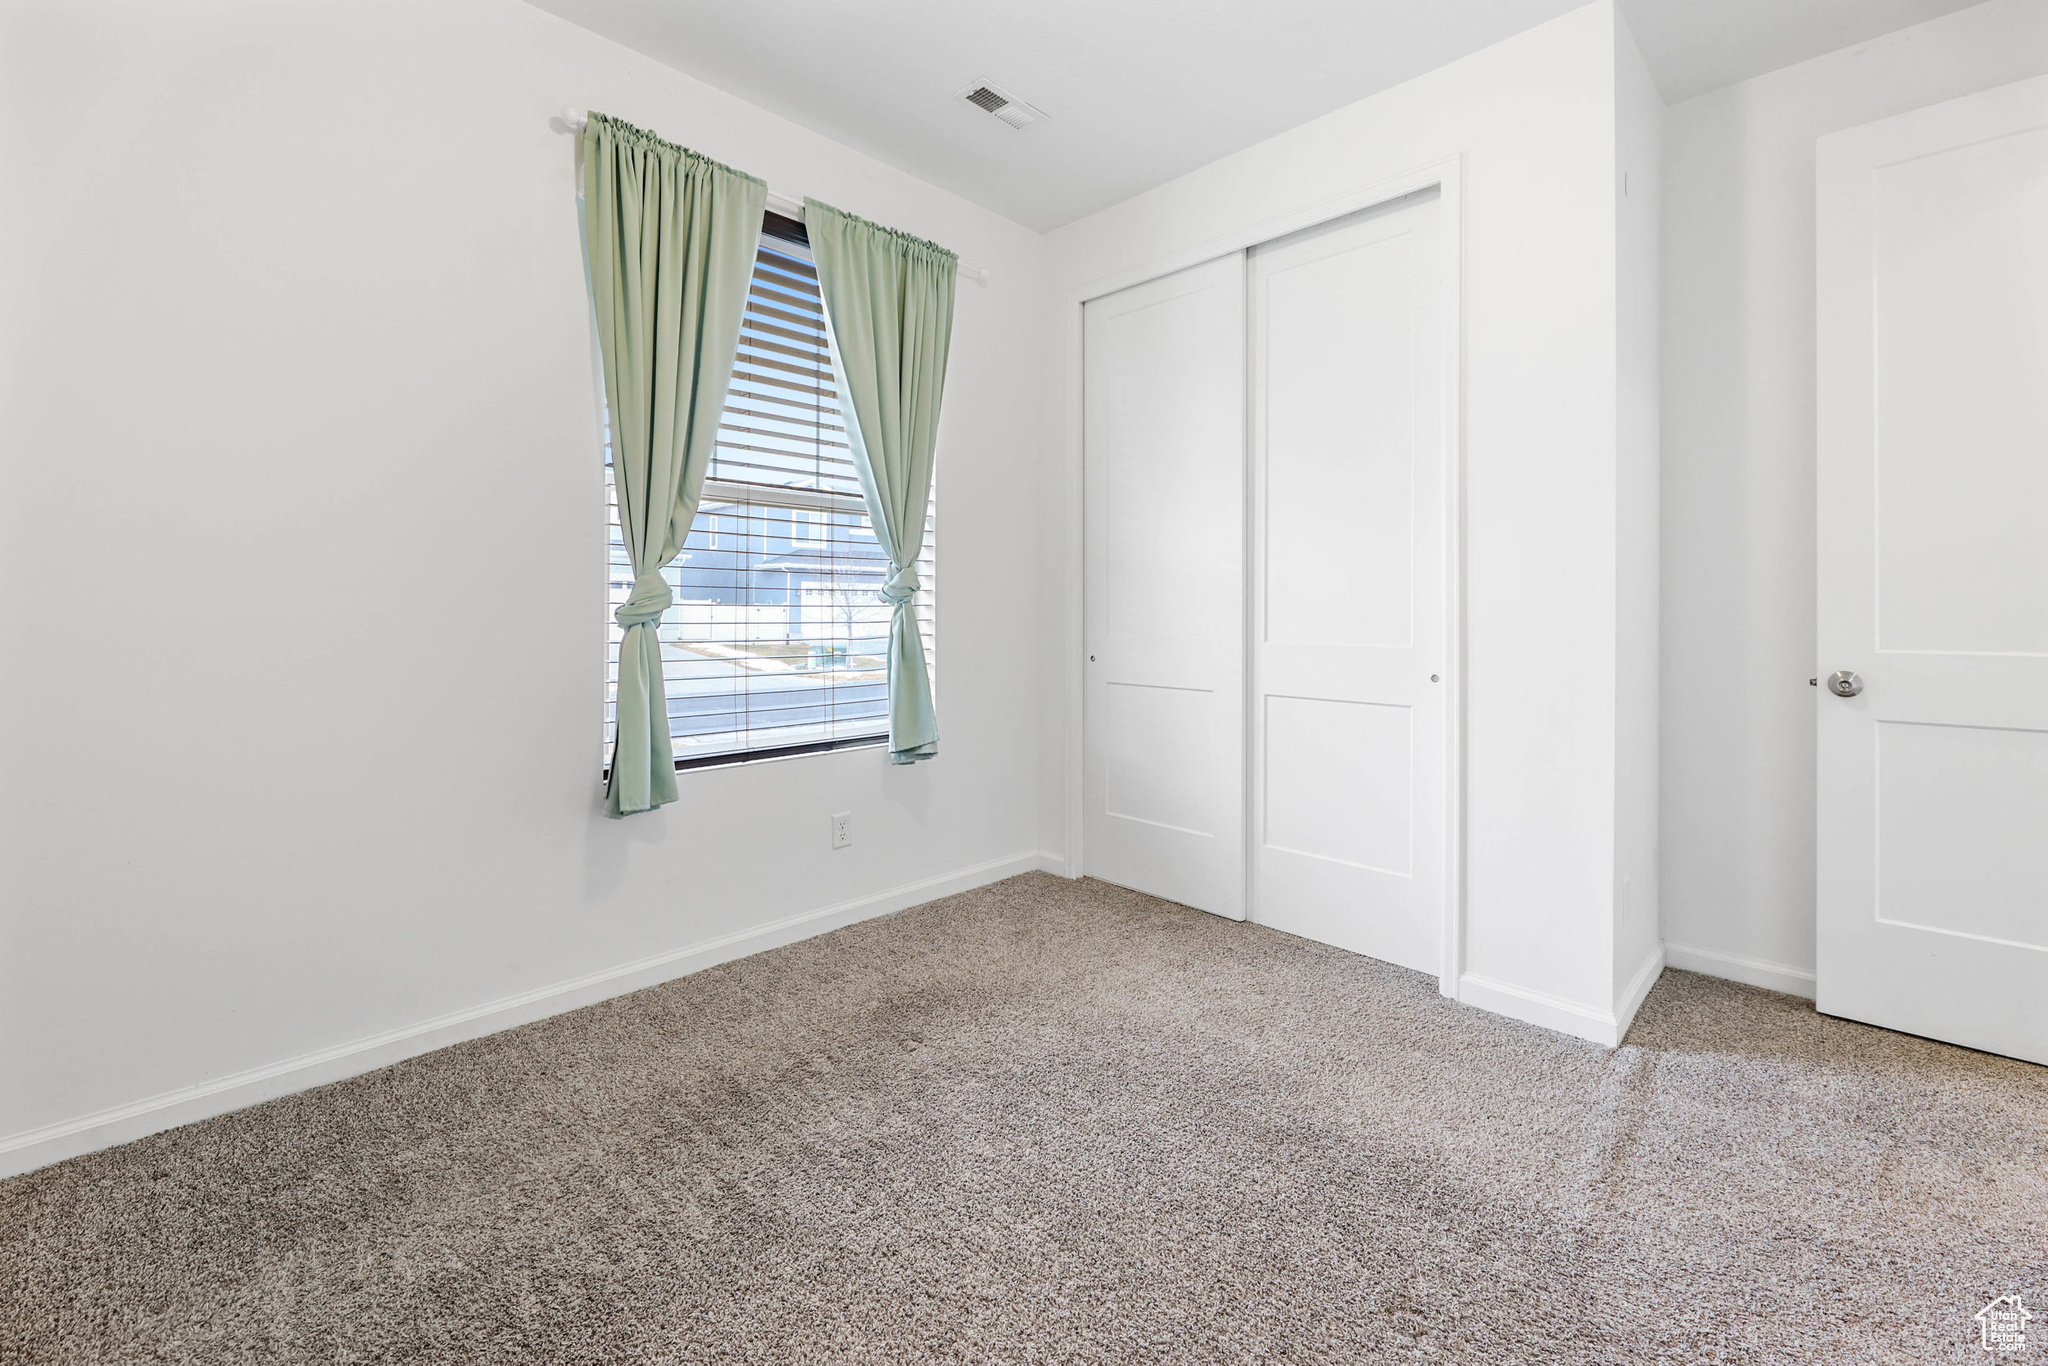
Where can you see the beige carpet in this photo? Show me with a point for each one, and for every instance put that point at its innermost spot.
(1052, 1122)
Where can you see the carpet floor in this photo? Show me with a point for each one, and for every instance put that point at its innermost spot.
(1061, 1122)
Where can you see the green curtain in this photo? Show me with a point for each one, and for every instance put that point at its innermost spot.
(671, 238)
(889, 306)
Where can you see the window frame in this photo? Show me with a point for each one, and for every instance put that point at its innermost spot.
(826, 501)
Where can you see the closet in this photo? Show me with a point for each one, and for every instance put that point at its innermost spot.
(1265, 584)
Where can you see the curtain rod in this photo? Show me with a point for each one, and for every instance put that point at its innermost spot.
(790, 206)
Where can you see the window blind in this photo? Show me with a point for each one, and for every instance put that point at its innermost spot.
(778, 640)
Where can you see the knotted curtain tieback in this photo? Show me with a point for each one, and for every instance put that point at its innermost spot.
(652, 596)
(902, 585)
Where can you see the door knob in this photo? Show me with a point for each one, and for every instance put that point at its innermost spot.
(1844, 683)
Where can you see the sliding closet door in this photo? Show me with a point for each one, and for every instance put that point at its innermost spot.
(1348, 605)
(1164, 570)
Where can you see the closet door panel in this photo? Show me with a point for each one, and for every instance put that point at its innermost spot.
(1339, 426)
(1348, 755)
(1163, 375)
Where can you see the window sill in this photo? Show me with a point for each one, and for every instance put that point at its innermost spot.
(763, 756)
(700, 763)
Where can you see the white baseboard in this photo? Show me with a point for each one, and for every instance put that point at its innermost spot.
(1049, 862)
(1538, 1008)
(124, 1123)
(1604, 1027)
(1638, 987)
(1756, 972)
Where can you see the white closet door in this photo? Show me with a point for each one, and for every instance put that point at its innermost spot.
(1164, 572)
(1348, 761)
(1933, 499)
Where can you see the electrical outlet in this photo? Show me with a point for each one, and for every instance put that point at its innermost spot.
(842, 829)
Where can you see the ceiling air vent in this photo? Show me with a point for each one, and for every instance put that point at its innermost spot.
(1014, 112)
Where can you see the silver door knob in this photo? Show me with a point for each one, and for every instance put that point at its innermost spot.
(1843, 683)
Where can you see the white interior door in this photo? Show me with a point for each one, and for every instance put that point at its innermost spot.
(1933, 572)
(1164, 587)
(1348, 759)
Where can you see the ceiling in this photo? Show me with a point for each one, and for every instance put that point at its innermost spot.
(1140, 91)
(1693, 46)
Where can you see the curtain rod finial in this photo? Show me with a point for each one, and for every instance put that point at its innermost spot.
(573, 118)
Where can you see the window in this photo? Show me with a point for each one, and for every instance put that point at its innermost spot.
(778, 642)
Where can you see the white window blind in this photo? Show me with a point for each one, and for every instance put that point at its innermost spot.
(778, 640)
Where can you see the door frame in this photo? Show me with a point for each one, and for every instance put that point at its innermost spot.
(1446, 177)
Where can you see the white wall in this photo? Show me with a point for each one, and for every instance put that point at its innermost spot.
(303, 561)
(1534, 122)
(1639, 157)
(1738, 718)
